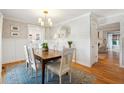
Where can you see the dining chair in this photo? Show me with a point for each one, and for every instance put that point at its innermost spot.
(26, 56)
(62, 67)
(32, 64)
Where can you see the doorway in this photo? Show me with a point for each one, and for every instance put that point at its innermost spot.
(109, 44)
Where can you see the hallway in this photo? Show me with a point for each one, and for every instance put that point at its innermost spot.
(111, 57)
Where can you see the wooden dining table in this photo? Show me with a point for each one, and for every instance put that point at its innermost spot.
(45, 57)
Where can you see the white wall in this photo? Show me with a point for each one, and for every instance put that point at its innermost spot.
(122, 42)
(80, 35)
(100, 36)
(33, 30)
(109, 41)
(13, 47)
(1, 22)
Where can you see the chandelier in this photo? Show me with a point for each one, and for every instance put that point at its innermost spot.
(45, 21)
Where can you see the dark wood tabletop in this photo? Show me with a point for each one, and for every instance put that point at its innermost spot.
(47, 55)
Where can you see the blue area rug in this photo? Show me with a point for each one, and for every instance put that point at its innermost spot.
(19, 75)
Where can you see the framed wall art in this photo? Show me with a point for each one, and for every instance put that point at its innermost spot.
(15, 34)
(14, 28)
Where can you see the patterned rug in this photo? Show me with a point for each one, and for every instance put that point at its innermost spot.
(19, 75)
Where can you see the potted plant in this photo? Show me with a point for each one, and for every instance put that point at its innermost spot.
(45, 47)
(69, 43)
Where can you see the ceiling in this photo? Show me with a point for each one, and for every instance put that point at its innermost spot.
(57, 15)
(110, 27)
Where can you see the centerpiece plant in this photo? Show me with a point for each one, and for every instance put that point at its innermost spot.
(45, 46)
(69, 43)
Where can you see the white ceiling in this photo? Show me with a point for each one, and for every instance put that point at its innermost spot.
(110, 27)
(57, 15)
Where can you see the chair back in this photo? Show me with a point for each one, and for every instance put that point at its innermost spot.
(32, 57)
(26, 53)
(66, 60)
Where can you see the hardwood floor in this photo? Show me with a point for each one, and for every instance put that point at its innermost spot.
(4, 66)
(106, 70)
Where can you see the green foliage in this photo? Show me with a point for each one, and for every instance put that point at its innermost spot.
(45, 45)
(69, 43)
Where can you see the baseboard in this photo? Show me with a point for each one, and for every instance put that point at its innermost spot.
(78, 62)
(12, 62)
(73, 60)
(121, 66)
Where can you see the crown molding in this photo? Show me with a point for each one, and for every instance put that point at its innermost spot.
(14, 19)
(75, 18)
(115, 15)
(115, 29)
(17, 20)
(104, 18)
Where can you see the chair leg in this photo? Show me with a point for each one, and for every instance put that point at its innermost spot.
(36, 73)
(47, 75)
(70, 76)
(60, 80)
(31, 72)
(51, 74)
(27, 66)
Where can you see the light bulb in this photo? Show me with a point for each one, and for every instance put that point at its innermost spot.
(50, 23)
(39, 20)
(49, 19)
(42, 23)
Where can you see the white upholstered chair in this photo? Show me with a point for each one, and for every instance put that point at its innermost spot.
(30, 59)
(62, 67)
(26, 56)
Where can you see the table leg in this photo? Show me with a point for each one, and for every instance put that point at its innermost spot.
(43, 73)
